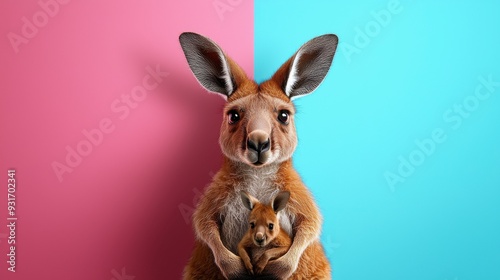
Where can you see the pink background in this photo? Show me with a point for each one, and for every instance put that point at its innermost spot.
(120, 207)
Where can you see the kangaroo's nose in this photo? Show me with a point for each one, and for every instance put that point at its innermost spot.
(259, 237)
(258, 143)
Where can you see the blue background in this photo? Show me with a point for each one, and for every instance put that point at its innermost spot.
(443, 221)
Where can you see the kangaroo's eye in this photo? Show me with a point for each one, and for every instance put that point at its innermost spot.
(271, 226)
(283, 116)
(252, 224)
(233, 117)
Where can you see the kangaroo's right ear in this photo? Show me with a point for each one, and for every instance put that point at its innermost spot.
(248, 200)
(212, 68)
(280, 201)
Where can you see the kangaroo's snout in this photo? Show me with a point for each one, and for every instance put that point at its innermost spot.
(260, 236)
(259, 128)
(258, 144)
(258, 141)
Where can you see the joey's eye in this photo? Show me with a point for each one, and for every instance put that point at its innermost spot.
(283, 116)
(271, 226)
(252, 224)
(233, 117)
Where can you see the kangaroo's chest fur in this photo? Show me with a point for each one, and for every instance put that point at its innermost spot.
(260, 183)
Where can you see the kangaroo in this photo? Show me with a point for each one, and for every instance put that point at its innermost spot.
(264, 240)
(257, 139)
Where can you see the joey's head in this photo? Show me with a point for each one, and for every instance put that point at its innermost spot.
(263, 221)
(258, 127)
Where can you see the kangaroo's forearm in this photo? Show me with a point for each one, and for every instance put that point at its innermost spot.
(299, 245)
(242, 251)
(207, 226)
(209, 232)
(275, 253)
(308, 219)
(306, 231)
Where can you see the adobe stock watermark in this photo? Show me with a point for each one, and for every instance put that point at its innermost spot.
(330, 245)
(363, 35)
(454, 117)
(121, 109)
(223, 6)
(121, 276)
(30, 28)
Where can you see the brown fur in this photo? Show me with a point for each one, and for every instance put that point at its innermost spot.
(313, 262)
(262, 243)
(215, 254)
(255, 256)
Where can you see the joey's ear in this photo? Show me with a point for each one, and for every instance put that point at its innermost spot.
(212, 68)
(248, 200)
(280, 201)
(307, 68)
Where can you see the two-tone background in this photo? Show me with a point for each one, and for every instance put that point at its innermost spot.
(113, 140)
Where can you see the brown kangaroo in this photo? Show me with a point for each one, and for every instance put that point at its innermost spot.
(264, 240)
(257, 138)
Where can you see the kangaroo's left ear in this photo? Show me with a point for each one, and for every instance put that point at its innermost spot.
(307, 68)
